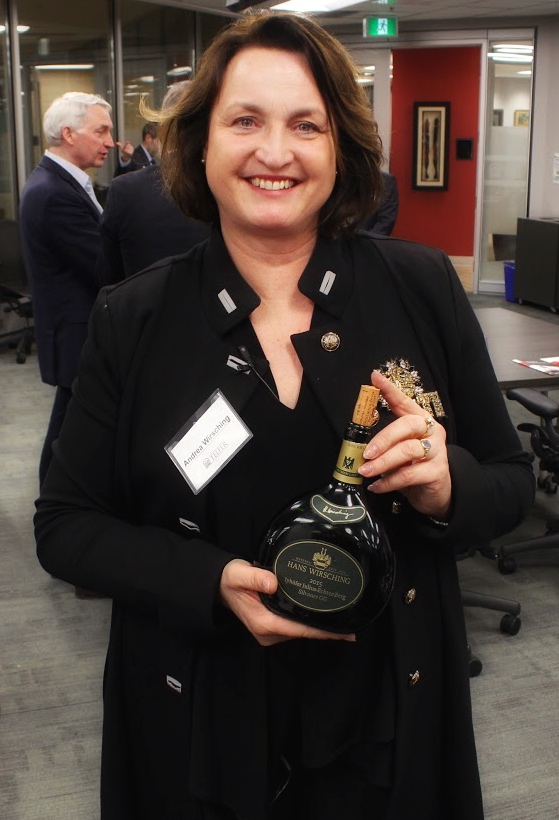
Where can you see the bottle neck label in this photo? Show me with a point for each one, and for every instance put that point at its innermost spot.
(319, 576)
(336, 514)
(349, 461)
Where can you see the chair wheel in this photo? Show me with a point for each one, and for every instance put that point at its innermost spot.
(475, 666)
(510, 624)
(21, 358)
(547, 485)
(506, 566)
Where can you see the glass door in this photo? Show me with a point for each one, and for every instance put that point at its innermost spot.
(507, 149)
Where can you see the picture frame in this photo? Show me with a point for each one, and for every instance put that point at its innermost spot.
(431, 145)
(521, 118)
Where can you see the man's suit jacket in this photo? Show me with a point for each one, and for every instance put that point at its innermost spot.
(60, 242)
(141, 225)
(383, 220)
(139, 159)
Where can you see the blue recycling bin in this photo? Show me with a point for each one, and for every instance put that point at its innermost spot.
(509, 281)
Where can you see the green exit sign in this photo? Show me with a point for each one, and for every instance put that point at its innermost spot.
(380, 27)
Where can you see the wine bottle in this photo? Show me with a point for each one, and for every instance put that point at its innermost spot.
(332, 559)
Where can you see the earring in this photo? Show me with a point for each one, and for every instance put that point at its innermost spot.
(203, 161)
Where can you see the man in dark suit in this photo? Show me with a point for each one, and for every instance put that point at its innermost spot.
(382, 221)
(141, 224)
(59, 217)
(143, 154)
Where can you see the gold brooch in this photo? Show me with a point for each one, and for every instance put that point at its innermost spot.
(405, 376)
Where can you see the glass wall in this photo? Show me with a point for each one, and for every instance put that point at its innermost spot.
(68, 51)
(159, 47)
(7, 154)
(507, 147)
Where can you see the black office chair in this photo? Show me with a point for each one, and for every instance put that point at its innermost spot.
(22, 306)
(544, 440)
(510, 622)
(13, 275)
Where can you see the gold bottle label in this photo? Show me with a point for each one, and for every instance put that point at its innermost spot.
(349, 461)
(318, 576)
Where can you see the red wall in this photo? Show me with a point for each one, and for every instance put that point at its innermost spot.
(444, 219)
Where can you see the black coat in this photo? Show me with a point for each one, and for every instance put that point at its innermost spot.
(141, 225)
(159, 346)
(60, 243)
(384, 219)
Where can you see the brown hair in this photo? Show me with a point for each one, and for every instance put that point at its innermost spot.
(184, 127)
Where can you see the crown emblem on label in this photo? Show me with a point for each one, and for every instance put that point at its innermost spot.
(405, 376)
(321, 559)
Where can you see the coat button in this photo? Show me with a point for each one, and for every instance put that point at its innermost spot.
(330, 341)
(410, 595)
(413, 678)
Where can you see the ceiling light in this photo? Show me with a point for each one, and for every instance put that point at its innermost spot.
(512, 47)
(21, 29)
(502, 57)
(314, 5)
(179, 71)
(527, 73)
(148, 78)
(66, 67)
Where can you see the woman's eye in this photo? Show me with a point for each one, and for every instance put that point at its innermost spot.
(307, 127)
(244, 122)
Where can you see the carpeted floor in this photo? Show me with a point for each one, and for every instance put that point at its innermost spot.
(52, 648)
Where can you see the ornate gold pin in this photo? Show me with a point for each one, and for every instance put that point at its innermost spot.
(330, 341)
(405, 376)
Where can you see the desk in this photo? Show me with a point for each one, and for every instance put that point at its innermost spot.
(510, 335)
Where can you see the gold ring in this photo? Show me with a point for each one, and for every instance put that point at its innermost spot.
(430, 423)
(426, 444)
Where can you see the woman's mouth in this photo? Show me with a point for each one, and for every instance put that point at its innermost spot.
(271, 185)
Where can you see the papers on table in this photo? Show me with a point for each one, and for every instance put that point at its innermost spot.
(547, 364)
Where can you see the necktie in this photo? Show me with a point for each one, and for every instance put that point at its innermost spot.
(89, 190)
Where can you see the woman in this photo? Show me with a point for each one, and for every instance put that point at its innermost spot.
(214, 706)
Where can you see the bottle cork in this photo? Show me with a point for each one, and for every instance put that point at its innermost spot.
(365, 409)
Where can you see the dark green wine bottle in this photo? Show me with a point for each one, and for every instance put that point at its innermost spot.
(332, 559)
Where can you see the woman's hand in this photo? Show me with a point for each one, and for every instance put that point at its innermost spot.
(240, 586)
(409, 455)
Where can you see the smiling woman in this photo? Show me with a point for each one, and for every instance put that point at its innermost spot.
(270, 162)
(246, 355)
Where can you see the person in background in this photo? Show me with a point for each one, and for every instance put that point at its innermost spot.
(383, 220)
(132, 159)
(141, 224)
(59, 217)
(215, 707)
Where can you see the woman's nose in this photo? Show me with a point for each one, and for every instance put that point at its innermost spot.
(274, 149)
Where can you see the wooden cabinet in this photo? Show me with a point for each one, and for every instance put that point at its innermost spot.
(536, 276)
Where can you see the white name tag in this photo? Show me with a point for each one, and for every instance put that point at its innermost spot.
(208, 441)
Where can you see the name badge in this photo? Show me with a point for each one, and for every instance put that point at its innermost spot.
(208, 441)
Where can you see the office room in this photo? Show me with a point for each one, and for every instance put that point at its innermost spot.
(485, 191)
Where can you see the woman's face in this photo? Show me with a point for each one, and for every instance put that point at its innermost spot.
(270, 155)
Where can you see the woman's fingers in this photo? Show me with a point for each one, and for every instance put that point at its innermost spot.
(240, 588)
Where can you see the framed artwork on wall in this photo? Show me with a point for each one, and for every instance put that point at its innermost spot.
(522, 117)
(430, 145)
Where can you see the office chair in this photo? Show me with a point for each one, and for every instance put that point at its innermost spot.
(12, 273)
(544, 440)
(22, 306)
(510, 622)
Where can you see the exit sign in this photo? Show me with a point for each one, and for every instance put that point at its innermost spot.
(380, 27)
